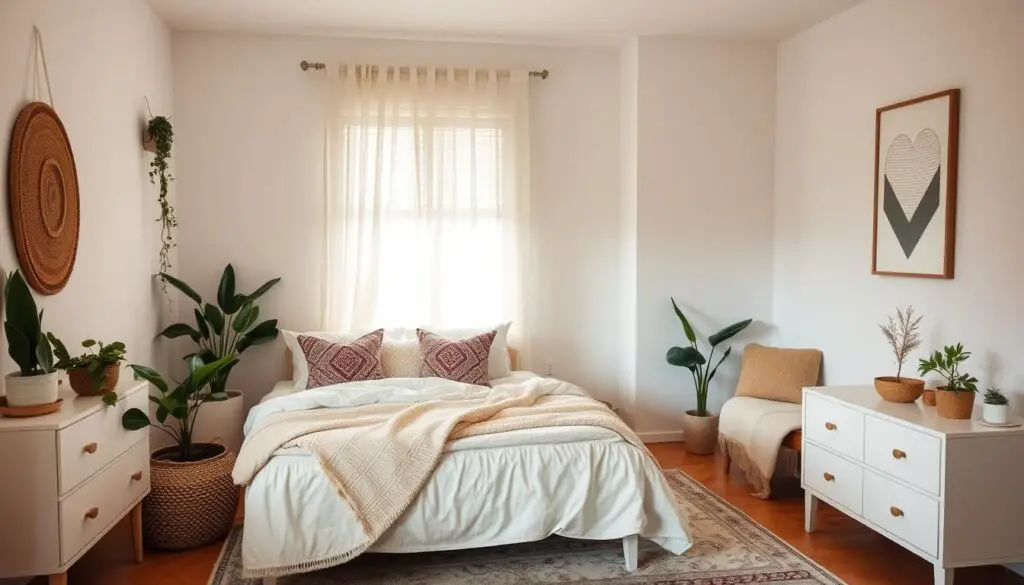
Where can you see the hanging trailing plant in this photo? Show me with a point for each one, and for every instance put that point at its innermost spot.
(159, 137)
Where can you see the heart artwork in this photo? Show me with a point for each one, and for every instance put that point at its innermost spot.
(912, 176)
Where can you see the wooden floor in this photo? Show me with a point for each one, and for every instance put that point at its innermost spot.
(854, 553)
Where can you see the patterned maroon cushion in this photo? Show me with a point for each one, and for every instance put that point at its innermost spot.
(462, 360)
(336, 363)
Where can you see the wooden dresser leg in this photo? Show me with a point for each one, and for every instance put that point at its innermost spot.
(59, 579)
(136, 519)
(943, 576)
(810, 511)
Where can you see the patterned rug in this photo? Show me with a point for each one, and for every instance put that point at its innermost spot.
(729, 549)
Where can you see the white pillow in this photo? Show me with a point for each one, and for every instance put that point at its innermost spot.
(300, 370)
(401, 358)
(499, 364)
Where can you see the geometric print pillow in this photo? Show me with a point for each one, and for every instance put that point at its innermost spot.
(336, 363)
(461, 360)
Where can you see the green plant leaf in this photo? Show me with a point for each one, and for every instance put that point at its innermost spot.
(204, 329)
(218, 396)
(151, 376)
(728, 332)
(134, 419)
(44, 355)
(226, 290)
(89, 343)
(161, 414)
(200, 375)
(178, 330)
(214, 318)
(20, 309)
(110, 398)
(244, 318)
(184, 288)
(687, 329)
(19, 348)
(262, 333)
(59, 349)
(263, 289)
(685, 357)
(714, 371)
(237, 302)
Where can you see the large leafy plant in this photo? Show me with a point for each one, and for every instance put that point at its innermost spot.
(225, 329)
(692, 359)
(95, 359)
(947, 364)
(26, 343)
(181, 403)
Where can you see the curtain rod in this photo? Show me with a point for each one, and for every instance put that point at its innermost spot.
(319, 66)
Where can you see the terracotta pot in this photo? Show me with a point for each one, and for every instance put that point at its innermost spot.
(83, 383)
(900, 389)
(700, 433)
(958, 405)
(928, 397)
(191, 503)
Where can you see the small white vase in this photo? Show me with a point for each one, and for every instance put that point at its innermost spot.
(998, 414)
(31, 390)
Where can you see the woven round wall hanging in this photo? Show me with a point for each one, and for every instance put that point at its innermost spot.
(43, 195)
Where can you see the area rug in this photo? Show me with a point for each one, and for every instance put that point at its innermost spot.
(729, 549)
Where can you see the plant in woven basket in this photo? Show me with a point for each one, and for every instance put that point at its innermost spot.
(226, 329)
(947, 364)
(903, 335)
(160, 134)
(182, 403)
(97, 368)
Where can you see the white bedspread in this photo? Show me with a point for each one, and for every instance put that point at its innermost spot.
(580, 482)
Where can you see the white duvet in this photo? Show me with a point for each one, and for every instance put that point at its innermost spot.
(520, 486)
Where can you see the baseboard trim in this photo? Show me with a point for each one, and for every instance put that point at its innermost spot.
(661, 436)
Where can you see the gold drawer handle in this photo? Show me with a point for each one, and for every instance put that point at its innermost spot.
(137, 476)
(896, 512)
(90, 448)
(92, 513)
(899, 454)
(829, 477)
(830, 426)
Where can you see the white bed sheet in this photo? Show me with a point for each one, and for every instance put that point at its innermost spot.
(521, 486)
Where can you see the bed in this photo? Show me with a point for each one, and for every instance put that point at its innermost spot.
(583, 482)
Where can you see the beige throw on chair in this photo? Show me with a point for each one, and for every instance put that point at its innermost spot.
(380, 456)
(751, 431)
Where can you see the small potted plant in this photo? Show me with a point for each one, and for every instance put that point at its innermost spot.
(700, 427)
(997, 408)
(956, 398)
(94, 372)
(903, 337)
(193, 497)
(35, 382)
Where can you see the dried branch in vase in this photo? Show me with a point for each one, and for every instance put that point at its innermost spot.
(902, 333)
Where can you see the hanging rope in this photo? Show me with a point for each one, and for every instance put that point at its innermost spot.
(40, 55)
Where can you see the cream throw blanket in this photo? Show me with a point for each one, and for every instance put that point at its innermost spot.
(380, 455)
(751, 431)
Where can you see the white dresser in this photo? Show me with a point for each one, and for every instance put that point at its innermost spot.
(66, 479)
(947, 490)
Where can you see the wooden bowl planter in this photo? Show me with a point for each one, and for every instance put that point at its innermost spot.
(928, 398)
(955, 405)
(191, 503)
(83, 383)
(893, 389)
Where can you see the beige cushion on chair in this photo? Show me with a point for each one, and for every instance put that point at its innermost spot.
(776, 373)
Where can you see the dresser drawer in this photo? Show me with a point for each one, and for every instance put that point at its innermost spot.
(89, 444)
(835, 426)
(904, 453)
(104, 498)
(833, 477)
(912, 516)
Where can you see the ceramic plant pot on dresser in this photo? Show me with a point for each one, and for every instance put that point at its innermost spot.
(700, 433)
(71, 476)
(31, 390)
(947, 490)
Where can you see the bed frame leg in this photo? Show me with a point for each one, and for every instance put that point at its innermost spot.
(270, 581)
(629, 550)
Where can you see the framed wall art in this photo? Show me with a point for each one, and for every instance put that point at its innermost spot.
(915, 186)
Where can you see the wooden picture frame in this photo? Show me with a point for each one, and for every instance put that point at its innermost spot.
(914, 216)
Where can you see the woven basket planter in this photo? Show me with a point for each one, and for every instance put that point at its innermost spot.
(894, 389)
(958, 405)
(84, 385)
(191, 504)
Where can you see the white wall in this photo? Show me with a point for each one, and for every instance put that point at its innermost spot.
(830, 81)
(629, 71)
(704, 209)
(249, 128)
(104, 57)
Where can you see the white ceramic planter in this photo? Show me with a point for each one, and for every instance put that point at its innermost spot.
(221, 422)
(31, 390)
(998, 414)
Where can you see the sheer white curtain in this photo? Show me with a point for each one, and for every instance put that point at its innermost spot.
(426, 198)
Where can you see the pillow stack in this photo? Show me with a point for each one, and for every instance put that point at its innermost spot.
(472, 356)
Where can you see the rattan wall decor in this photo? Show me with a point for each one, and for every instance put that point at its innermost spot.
(44, 204)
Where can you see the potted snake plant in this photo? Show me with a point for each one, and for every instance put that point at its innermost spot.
(700, 427)
(35, 382)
